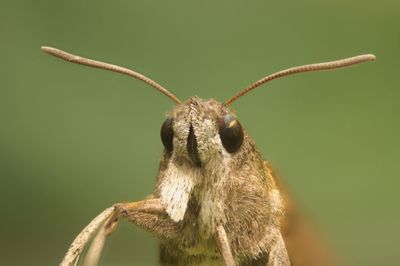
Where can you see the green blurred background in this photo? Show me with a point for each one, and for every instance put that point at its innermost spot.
(74, 140)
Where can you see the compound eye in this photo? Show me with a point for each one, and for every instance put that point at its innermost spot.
(231, 133)
(167, 134)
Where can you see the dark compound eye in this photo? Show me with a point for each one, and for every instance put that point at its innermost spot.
(167, 134)
(230, 132)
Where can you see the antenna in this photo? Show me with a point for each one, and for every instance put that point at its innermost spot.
(97, 64)
(305, 68)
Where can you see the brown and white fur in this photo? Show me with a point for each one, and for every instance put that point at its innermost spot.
(234, 190)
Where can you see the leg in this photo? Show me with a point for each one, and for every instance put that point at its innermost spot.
(148, 214)
(278, 255)
(93, 255)
(76, 248)
(224, 247)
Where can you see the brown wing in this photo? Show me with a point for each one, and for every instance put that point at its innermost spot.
(304, 246)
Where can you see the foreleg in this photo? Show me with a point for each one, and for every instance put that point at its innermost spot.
(149, 214)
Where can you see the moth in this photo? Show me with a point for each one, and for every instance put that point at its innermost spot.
(216, 201)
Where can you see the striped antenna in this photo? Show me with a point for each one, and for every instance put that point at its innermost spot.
(306, 68)
(97, 64)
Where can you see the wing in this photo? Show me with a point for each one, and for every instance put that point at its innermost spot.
(304, 245)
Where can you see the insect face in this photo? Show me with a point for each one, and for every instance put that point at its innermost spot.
(207, 148)
(201, 131)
